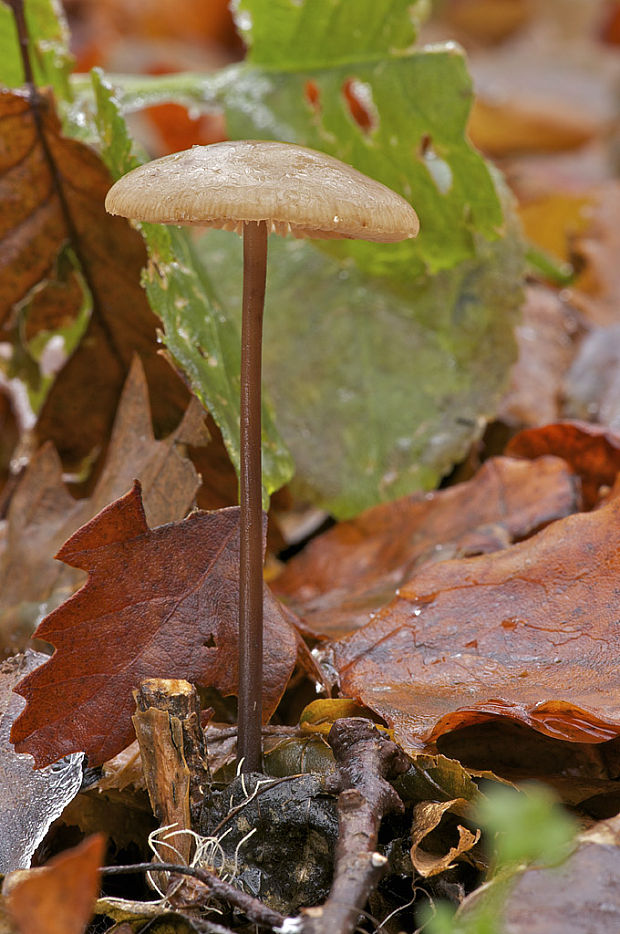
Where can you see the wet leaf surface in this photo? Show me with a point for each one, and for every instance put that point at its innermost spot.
(165, 604)
(354, 569)
(528, 633)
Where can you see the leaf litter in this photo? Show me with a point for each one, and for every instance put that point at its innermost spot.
(533, 562)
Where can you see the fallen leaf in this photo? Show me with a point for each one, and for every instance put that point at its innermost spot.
(547, 339)
(164, 603)
(59, 898)
(427, 817)
(30, 801)
(52, 193)
(592, 451)
(597, 291)
(592, 384)
(529, 633)
(43, 514)
(356, 567)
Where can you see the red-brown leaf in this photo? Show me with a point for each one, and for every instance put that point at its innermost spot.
(592, 451)
(356, 567)
(157, 603)
(530, 633)
(59, 898)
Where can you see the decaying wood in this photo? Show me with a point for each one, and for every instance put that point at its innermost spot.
(167, 724)
(365, 759)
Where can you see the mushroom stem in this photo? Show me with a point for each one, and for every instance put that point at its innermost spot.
(250, 499)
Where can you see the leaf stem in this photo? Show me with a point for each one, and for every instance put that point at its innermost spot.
(250, 499)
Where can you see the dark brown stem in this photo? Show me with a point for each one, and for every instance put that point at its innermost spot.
(250, 498)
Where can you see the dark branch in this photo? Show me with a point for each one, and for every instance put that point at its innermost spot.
(253, 908)
(365, 758)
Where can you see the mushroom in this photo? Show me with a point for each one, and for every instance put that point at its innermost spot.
(258, 187)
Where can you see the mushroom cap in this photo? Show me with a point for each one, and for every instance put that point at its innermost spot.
(294, 189)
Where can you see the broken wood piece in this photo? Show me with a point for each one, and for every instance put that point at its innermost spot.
(174, 759)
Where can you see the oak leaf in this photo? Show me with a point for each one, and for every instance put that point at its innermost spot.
(59, 898)
(356, 567)
(158, 602)
(43, 514)
(529, 633)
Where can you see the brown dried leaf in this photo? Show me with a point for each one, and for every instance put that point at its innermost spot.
(529, 633)
(52, 193)
(355, 568)
(59, 898)
(426, 817)
(592, 451)
(157, 603)
(546, 338)
(43, 514)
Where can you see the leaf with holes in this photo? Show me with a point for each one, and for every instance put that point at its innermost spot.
(157, 603)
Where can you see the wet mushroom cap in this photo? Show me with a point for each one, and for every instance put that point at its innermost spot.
(294, 189)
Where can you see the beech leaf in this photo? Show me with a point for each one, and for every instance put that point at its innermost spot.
(52, 213)
(157, 603)
(529, 633)
(592, 451)
(355, 568)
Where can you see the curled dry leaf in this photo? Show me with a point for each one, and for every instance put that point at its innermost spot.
(427, 817)
(43, 514)
(592, 451)
(157, 603)
(529, 633)
(59, 898)
(356, 567)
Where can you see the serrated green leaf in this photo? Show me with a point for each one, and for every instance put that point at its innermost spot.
(200, 336)
(299, 34)
(49, 47)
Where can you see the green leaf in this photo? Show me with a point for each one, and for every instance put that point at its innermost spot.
(200, 337)
(297, 34)
(379, 388)
(309, 59)
(48, 48)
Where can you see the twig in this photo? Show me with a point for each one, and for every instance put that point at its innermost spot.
(255, 910)
(365, 759)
